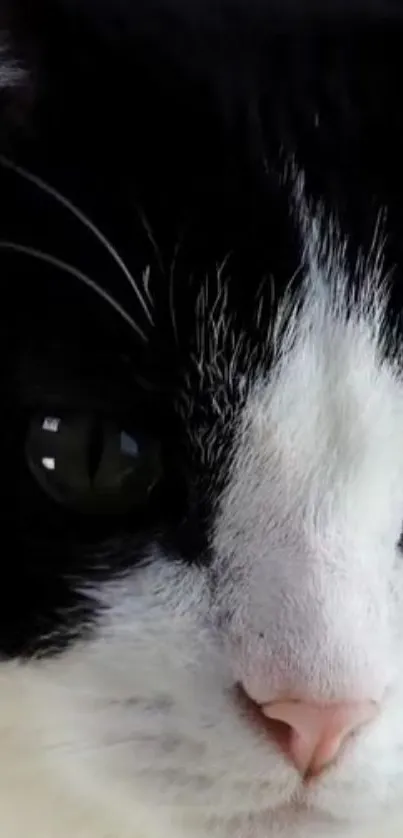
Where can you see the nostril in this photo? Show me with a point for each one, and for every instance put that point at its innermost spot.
(318, 732)
(311, 735)
(278, 731)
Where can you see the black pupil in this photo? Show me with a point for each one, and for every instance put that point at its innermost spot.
(90, 463)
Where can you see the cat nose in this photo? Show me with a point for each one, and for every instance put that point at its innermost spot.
(312, 735)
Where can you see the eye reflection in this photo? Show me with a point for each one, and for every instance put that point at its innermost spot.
(90, 463)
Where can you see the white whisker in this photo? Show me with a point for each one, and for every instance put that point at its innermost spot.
(61, 199)
(150, 235)
(146, 284)
(73, 271)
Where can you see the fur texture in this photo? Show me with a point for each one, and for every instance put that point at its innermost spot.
(200, 239)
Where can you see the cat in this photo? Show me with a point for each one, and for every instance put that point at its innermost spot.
(201, 256)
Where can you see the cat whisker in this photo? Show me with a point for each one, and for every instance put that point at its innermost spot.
(151, 238)
(146, 283)
(80, 215)
(77, 274)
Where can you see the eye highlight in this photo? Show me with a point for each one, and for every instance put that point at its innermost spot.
(91, 464)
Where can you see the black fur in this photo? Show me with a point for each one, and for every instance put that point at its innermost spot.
(169, 124)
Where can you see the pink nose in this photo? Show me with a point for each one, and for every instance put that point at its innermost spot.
(315, 734)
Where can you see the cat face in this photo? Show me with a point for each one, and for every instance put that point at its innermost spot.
(202, 618)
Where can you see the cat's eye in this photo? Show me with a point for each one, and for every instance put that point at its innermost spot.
(91, 464)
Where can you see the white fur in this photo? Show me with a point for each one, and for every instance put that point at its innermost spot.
(137, 733)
